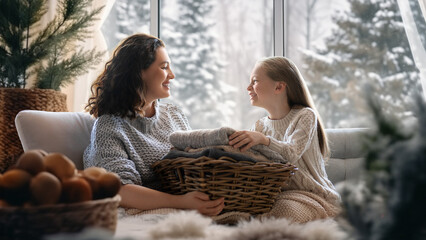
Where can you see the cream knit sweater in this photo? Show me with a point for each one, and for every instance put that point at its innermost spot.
(295, 138)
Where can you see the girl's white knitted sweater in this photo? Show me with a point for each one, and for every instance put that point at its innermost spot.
(295, 138)
(129, 147)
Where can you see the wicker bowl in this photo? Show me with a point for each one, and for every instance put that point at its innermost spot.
(247, 186)
(36, 222)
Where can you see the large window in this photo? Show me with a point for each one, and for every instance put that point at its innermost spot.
(339, 46)
(343, 48)
(213, 45)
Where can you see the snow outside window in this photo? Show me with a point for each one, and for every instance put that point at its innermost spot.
(213, 46)
(126, 18)
(342, 45)
(339, 46)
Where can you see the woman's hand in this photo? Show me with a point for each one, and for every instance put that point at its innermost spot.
(135, 196)
(201, 202)
(244, 140)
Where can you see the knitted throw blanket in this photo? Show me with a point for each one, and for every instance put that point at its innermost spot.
(212, 152)
(213, 137)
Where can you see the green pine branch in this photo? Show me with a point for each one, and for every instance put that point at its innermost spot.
(15, 18)
(61, 71)
(17, 54)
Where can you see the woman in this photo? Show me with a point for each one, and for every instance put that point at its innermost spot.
(293, 129)
(132, 128)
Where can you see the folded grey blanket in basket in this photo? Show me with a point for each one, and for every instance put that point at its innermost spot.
(212, 137)
(214, 153)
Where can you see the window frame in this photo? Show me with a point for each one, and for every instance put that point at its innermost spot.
(279, 26)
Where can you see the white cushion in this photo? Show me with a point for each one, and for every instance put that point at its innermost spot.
(347, 153)
(340, 170)
(346, 142)
(63, 132)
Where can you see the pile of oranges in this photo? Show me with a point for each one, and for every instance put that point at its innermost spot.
(39, 178)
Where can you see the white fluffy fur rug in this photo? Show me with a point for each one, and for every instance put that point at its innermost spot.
(192, 225)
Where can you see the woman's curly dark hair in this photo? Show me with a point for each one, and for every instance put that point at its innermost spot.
(120, 89)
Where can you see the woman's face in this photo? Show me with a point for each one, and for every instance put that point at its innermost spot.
(157, 77)
(261, 88)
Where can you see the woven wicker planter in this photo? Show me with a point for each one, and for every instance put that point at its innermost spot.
(14, 100)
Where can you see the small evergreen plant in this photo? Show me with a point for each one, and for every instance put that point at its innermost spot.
(389, 201)
(49, 55)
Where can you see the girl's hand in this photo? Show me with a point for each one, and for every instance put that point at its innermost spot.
(244, 140)
(201, 202)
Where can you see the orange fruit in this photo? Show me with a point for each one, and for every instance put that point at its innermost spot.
(15, 186)
(42, 152)
(59, 165)
(94, 172)
(16, 179)
(76, 189)
(45, 188)
(3, 203)
(109, 184)
(94, 185)
(31, 161)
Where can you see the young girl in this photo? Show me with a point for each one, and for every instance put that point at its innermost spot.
(293, 129)
(132, 128)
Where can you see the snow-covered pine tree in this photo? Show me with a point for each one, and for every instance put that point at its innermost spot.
(131, 15)
(191, 47)
(369, 44)
(126, 18)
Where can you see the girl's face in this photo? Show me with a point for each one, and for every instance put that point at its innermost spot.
(261, 88)
(157, 77)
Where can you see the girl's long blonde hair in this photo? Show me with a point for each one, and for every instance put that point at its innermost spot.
(281, 69)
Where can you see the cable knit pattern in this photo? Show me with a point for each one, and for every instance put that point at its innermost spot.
(129, 147)
(295, 138)
(301, 206)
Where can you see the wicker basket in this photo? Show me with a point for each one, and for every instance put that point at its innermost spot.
(35, 222)
(247, 186)
(14, 100)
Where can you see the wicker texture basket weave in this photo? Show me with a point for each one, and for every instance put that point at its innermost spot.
(33, 223)
(247, 186)
(14, 100)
